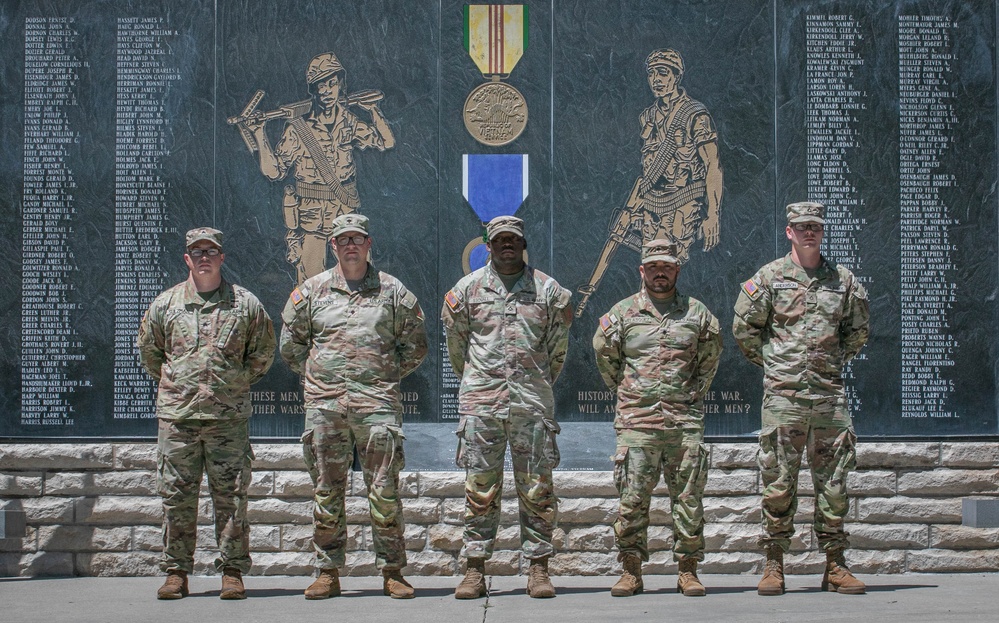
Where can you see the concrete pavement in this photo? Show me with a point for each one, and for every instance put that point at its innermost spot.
(910, 598)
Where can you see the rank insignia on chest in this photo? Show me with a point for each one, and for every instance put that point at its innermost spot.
(296, 297)
(785, 285)
(751, 289)
(453, 301)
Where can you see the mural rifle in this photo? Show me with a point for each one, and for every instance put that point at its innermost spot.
(250, 113)
(620, 228)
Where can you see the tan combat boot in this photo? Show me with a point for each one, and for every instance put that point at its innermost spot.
(773, 573)
(326, 585)
(396, 586)
(631, 580)
(687, 582)
(838, 578)
(539, 585)
(232, 584)
(473, 585)
(175, 586)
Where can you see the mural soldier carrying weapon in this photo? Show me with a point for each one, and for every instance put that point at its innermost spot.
(679, 193)
(317, 146)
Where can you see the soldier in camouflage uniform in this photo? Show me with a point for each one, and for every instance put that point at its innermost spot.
(507, 327)
(658, 350)
(205, 341)
(803, 318)
(353, 333)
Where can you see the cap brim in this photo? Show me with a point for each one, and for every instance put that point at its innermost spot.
(206, 239)
(660, 258)
(346, 230)
(807, 219)
(510, 230)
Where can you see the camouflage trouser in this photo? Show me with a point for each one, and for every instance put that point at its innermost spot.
(680, 456)
(824, 429)
(328, 445)
(481, 448)
(187, 450)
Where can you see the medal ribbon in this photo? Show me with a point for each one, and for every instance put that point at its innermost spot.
(495, 36)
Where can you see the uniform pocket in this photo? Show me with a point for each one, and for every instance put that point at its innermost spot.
(460, 459)
(309, 454)
(552, 455)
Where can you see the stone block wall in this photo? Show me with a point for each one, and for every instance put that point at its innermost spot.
(92, 509)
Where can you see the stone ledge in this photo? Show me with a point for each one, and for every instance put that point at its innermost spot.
(944, 561)
(278, 456)
(119, 510)
(56, 456)
(36, 564)
(909, 454)
(948, 482)
(135, 456)
(20, 484)
(909, 510)
(84, 539)
(966, 454)
(101, 483)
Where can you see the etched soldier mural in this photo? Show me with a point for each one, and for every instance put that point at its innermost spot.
(679, 193)
(317, 149)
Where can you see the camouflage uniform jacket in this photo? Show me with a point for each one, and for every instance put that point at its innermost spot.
(660, 365)
(353, 348)
(205, 355)
(801, 329)
(507, 347)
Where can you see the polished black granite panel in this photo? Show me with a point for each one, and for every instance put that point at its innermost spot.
(116, 141)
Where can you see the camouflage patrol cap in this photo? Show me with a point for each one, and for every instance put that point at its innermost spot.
(668, 57)
(502, 224)
(197, 234)
(659, 250)
(322, 67)
(806, 212)
(350, 222)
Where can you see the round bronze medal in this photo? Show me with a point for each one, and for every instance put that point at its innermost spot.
(495, 113)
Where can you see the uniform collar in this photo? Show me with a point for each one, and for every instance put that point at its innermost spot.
(646, 305)
(223, 297)
(369, 282)
(790, 270)
(495, 282)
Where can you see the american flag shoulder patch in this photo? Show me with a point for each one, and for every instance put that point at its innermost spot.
(751, 289)
(605, 322)
(453, 301)
(296, 297)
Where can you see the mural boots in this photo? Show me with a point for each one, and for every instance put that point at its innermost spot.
(687, 582)
(539, 585)
(396, 586)
(175, 586)
(773, 573)
(232, 584)
(631, 580)
(838, 578)
(473, 585)
(326, 585)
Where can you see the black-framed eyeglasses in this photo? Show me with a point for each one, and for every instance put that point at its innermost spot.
(816, 227)
(213, 252)
(356, 239)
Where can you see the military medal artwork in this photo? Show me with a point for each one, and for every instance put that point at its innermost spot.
(494, 185)
(495, 113)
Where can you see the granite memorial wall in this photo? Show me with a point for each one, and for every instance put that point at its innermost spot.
(126, 123)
